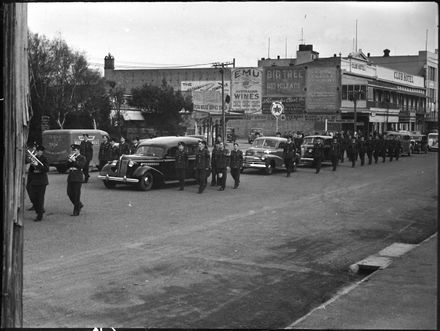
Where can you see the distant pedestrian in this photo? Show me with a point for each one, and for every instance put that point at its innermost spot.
(236, 163)
(75, 179)
(86, 149)
(202, 164)
(135, 144)
(114, 149)
(124, 148)
(214, 175)
(181, 164)
(369, 148)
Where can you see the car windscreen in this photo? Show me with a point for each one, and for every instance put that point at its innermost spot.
(151, 150)
(259, 143)
(309, 140)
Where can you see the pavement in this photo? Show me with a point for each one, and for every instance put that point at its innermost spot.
(401, 294)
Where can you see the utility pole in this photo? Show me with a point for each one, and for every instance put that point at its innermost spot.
(222, 71)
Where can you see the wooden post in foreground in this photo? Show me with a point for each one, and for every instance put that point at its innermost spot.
(15, 106)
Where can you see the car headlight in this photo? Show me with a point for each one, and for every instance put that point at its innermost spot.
(267, 151)
(114, 163)
(131, 163)
(263, 158)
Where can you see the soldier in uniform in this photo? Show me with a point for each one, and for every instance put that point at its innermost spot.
(397, 148)
(369, 148)
(38, 181)
(104, 152)
(334, 152)
(236, 162)
(318, 154)
(344, 145)
(221, 164)
(181, 164)
(202, 165)
(124, 148)
(362, 149)
(214, 175)
(352, 152)
(289, 154)
(390, 147)
(376, 148)
(75, 163)
(86, 149)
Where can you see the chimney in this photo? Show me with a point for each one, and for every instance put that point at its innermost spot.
(278, 57)
(386, 52)
(368, 54)
(109, 62)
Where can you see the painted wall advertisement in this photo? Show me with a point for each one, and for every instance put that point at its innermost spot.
(207, 95)
(287, 85)
(246, 85)
(322, 89)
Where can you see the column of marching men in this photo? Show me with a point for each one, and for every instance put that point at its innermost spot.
(344, 144)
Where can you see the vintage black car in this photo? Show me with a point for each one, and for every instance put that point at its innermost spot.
(266, 154)
(151, 165)
(307, 148)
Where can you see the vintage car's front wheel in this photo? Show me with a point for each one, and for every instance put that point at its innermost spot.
(146, 181)
(109, 184)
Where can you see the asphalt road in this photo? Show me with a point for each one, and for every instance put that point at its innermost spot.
(260, 256)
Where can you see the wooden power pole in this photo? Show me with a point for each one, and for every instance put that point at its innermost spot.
(16, 116)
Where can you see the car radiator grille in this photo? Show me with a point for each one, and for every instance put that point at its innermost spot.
(122, 171)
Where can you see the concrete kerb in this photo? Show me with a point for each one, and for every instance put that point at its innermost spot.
(373, 263)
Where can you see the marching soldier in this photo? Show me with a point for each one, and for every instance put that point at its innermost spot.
(75, 163)
(215, 180)
(345, 143)
(382, 148)
(352, 152)
(318, 154)
(390, 147)
(236, 162)
(397, 148)
(202, 165)
(38, 181)
(370, 149)
(104, 152)
(86, 149)
(181, 164)
(334, 152)
(289, 154)
(362, 150)
(221, 163)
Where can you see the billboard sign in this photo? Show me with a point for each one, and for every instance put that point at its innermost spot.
(322, 89)
(246, 85)
(206, 95)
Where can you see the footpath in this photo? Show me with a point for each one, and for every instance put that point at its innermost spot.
(402, 295)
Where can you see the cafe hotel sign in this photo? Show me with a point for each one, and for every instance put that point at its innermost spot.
(381, 73)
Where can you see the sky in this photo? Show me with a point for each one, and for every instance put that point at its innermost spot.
(173, 34)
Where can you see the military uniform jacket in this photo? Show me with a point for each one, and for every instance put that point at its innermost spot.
(86, 149)
(352, 149)
(37, 175)
(76, 174)
(236, 159)
(318, 151)
(221, 158)
(214, 150)
(289, 151)
(114, 153)
(334, 149)
(181, 160)
(362, 148)
(202, 159)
